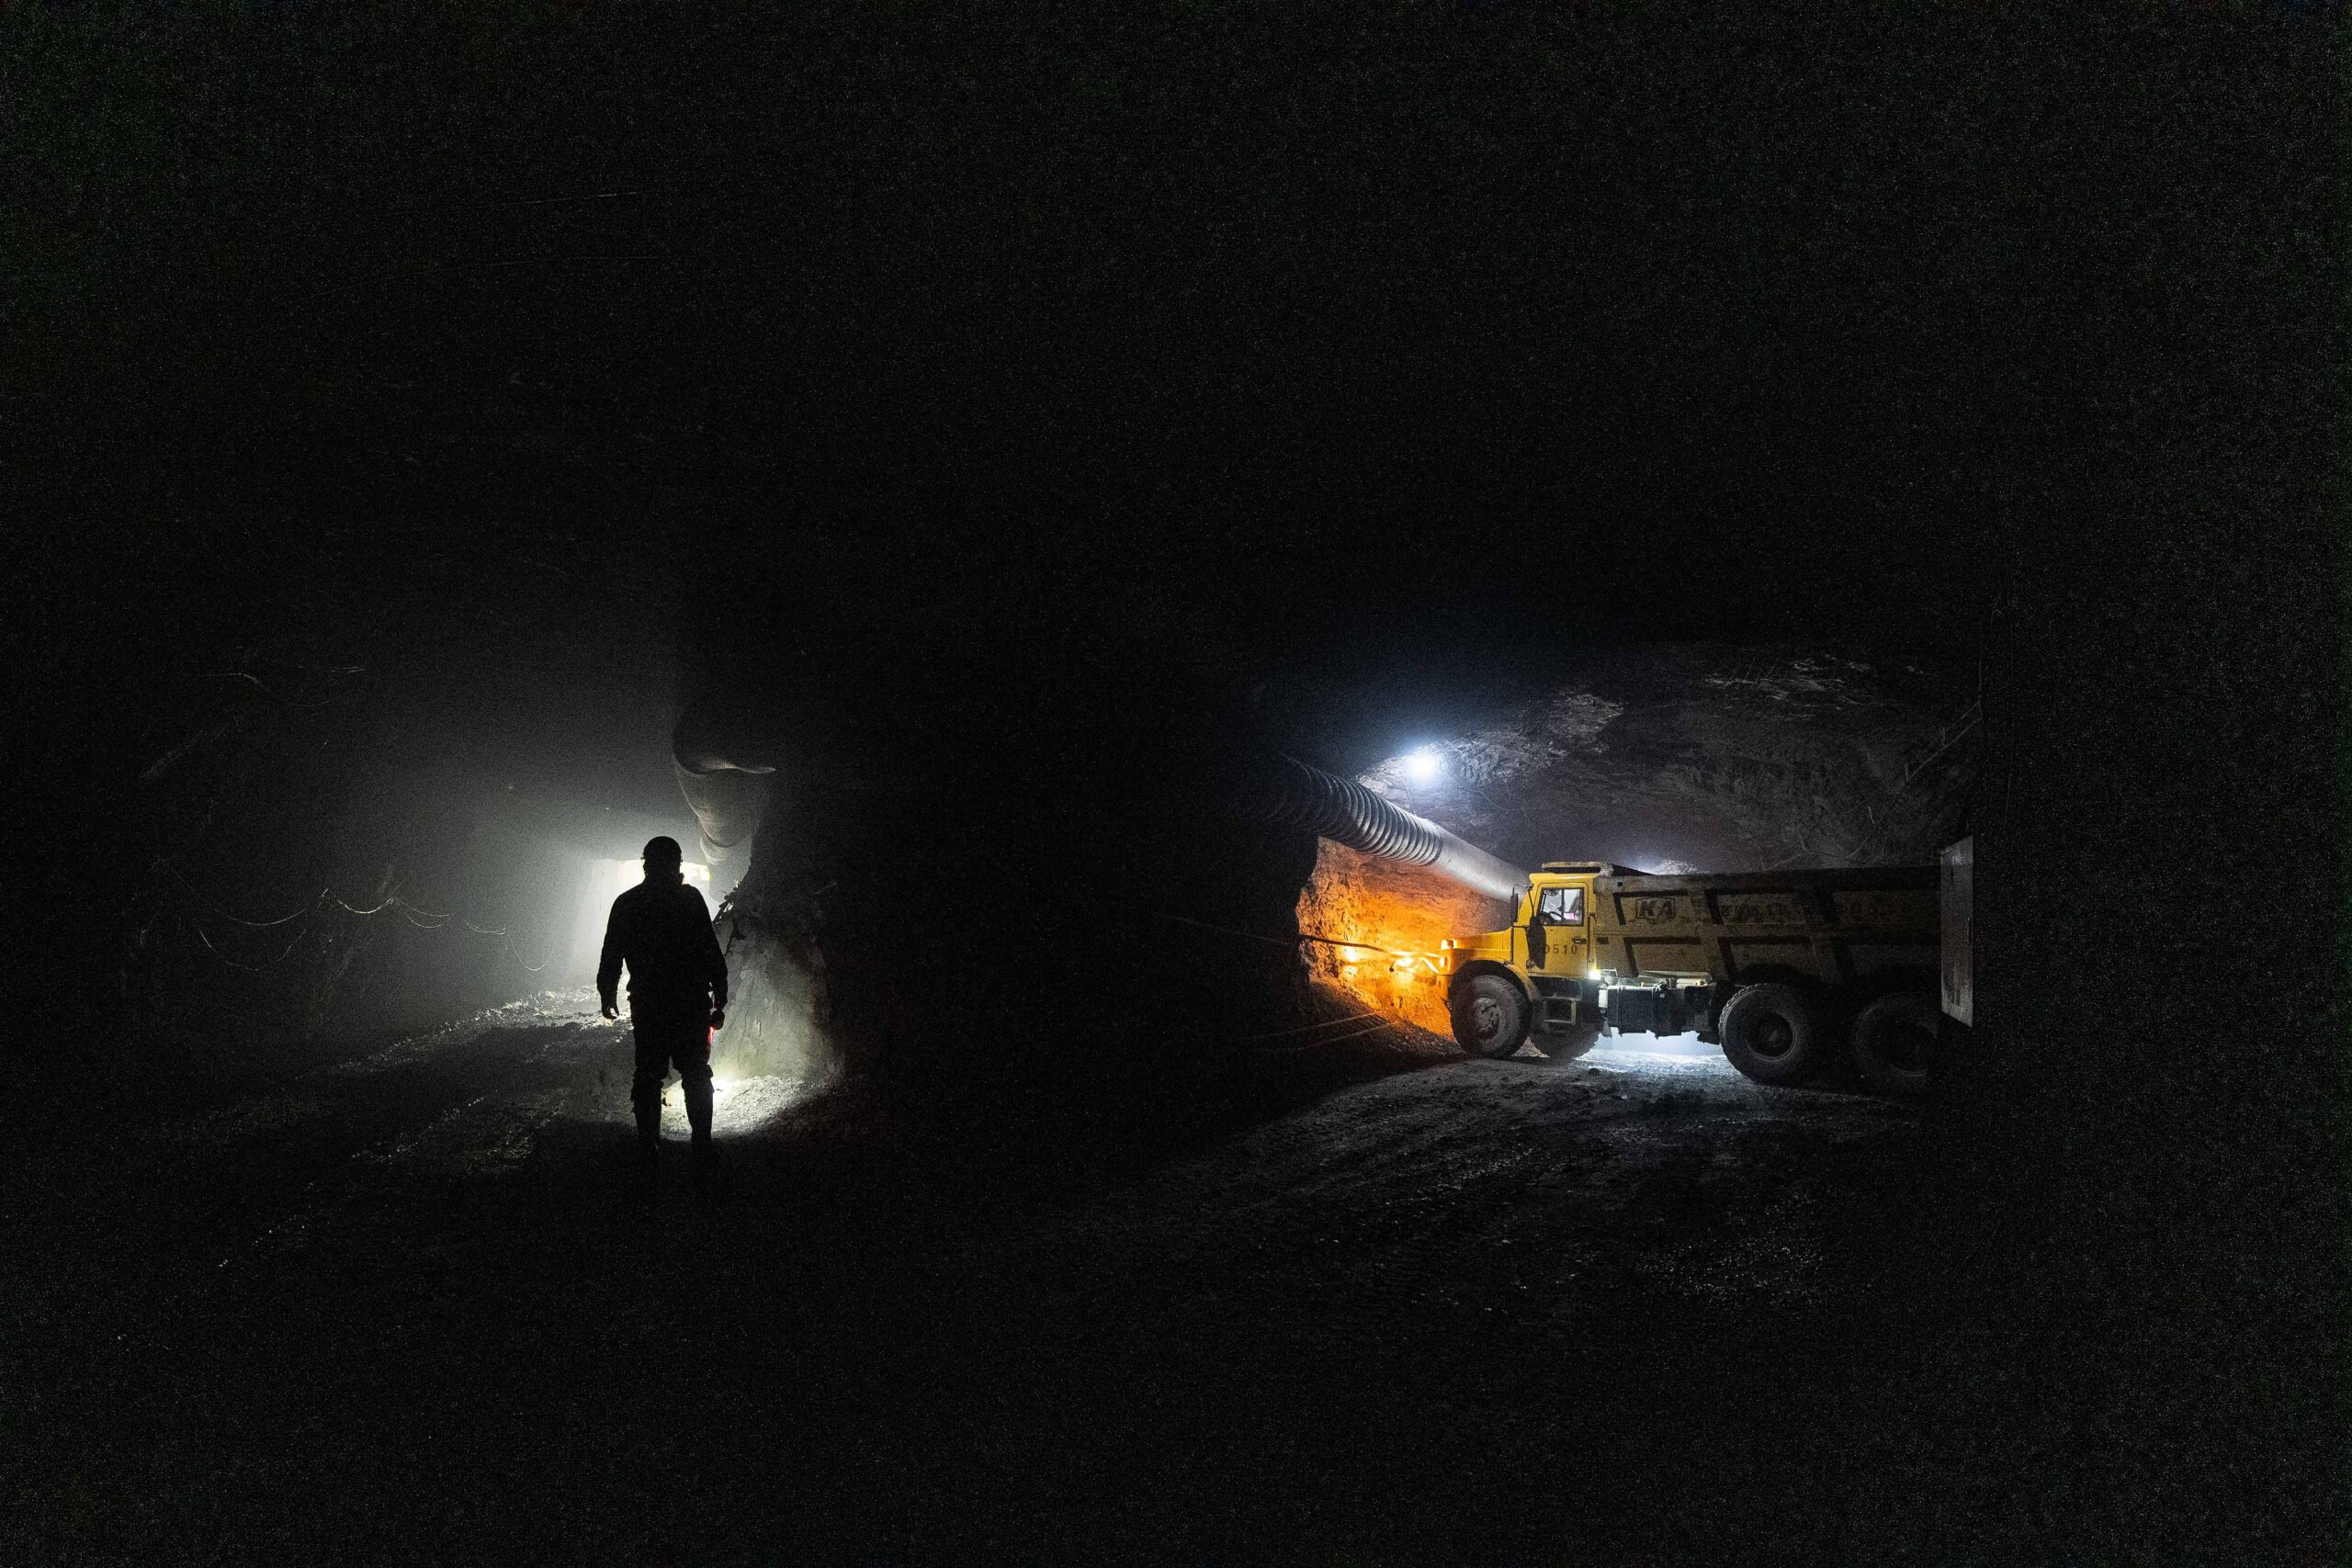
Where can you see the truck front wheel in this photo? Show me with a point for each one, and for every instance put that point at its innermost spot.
(1489, 1015)
(1772, 1034)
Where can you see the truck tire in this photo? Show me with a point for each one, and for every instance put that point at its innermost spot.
(1772, 1034)
(1489, 1015)
(1893, 1040)
(1568, 1044)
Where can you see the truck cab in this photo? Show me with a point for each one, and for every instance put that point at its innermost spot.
(1535, 979)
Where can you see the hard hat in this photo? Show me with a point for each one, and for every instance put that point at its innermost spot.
(664, 849)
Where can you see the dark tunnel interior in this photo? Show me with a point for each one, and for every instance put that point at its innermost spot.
(446, 443)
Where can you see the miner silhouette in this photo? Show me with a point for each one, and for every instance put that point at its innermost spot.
(677, 993)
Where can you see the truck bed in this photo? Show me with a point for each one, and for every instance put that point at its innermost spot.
(1834, 927)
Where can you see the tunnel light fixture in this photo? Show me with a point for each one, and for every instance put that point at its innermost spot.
(1425, 766)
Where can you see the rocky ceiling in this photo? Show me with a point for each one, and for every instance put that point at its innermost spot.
(1698, 756)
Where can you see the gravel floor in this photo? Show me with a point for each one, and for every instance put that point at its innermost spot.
(408, 1306)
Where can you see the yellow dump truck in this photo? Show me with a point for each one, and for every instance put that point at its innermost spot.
(1792, 973)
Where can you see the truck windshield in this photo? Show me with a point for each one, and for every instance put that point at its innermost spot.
(1561, 906)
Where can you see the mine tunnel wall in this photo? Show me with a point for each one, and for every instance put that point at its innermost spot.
(1399, 915)
(1173, 947)
(1033, 971)
(994, 887)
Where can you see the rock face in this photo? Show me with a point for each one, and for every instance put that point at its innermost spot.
(1391, 919)
(994, 887)
(1719, 758)
(776, 981)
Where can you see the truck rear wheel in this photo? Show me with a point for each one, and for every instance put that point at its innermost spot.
(1489, 1015)
(1772, 1033)
(1893, 1038)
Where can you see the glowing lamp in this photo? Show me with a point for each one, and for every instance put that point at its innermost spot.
(1425, 766)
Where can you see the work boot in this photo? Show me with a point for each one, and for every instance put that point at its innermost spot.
(696, 1093)
(645, 1167)
(705, 1167)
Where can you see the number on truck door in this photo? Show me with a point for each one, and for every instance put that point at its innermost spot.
(1556, 943)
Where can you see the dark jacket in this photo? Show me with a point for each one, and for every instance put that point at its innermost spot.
(662, 933)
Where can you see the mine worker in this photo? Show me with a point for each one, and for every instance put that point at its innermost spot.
(677, 995)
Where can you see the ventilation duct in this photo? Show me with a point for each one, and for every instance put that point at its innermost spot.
(726, 795)
(1291, 793)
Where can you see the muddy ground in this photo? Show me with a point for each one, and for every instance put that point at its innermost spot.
(1376, 1305)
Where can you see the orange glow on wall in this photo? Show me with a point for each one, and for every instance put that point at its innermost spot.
(1397, 916)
